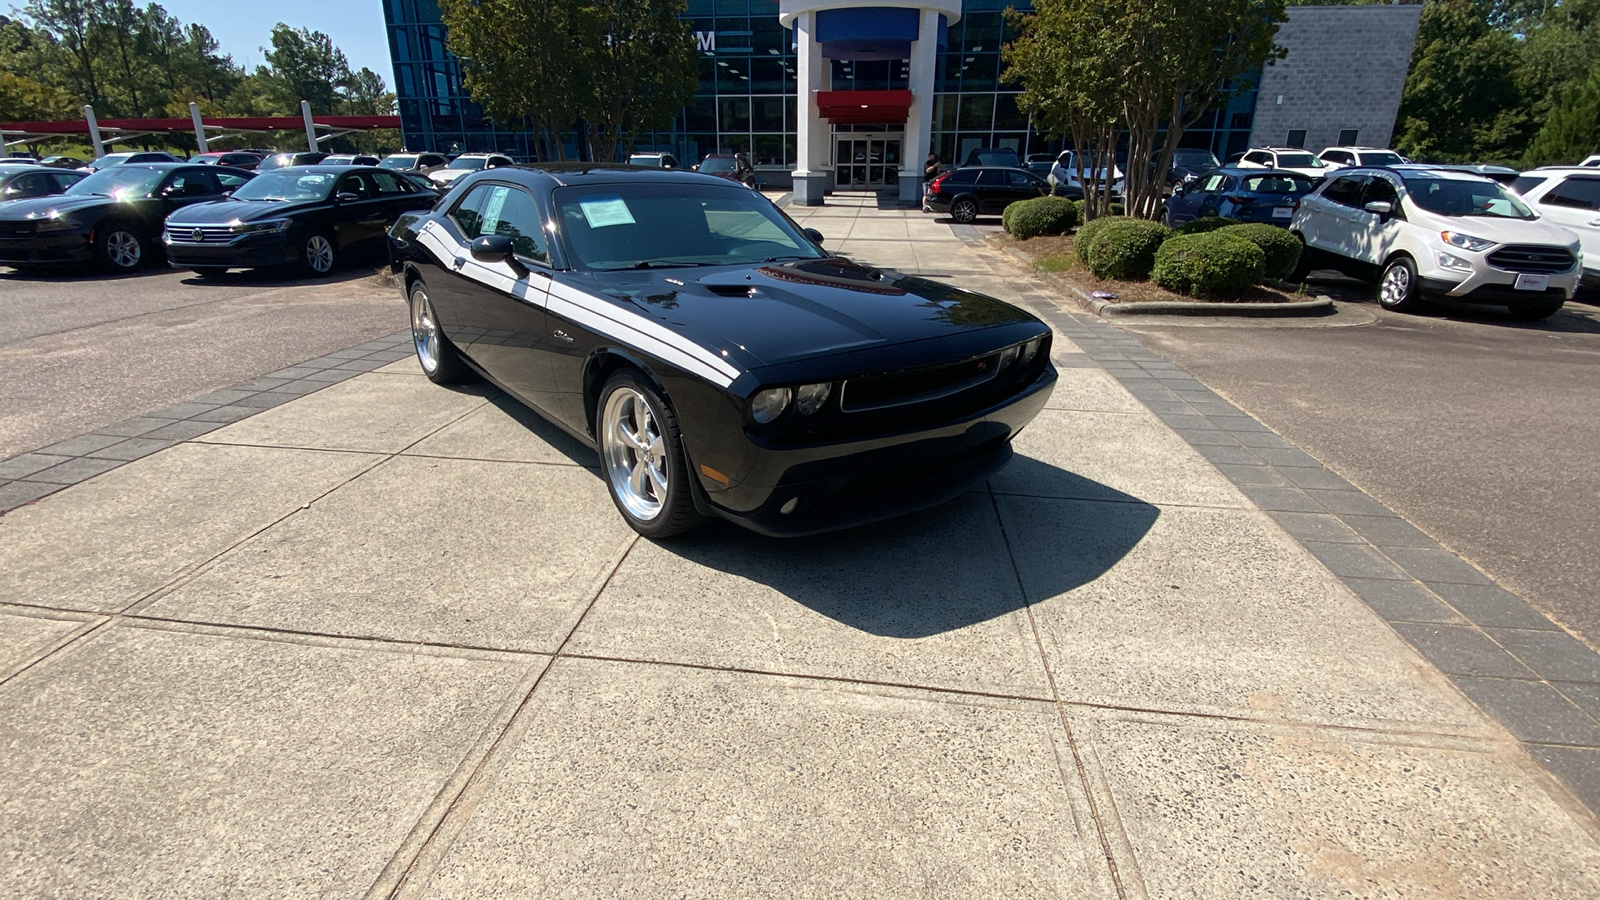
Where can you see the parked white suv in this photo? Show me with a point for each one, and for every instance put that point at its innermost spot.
(1341, 157)
(1064, 174)
(1290, 158)
(466, 164)
(1568, 196)
(1422, 231)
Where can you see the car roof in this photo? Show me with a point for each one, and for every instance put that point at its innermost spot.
(1254, 172)
(1418, 170)
(1563, 170)
(568, 174)
(18, 170)
(1357, 147)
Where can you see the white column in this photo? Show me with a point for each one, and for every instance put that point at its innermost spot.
(199, 127)
(94, 132)
(812, 137)
(311, 129)
(919, 120)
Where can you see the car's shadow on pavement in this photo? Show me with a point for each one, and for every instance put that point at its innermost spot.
(1578, 316)
(81, 272)
(278, 277)
(942, 569)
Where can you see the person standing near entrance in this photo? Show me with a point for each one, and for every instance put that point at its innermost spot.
(930, 169)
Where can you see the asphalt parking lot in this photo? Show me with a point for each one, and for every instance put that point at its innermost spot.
(83, 349)
(1479, 429)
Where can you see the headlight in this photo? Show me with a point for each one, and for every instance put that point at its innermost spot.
(1031, 349)
(1447, 261)
(769, 404)
(1465, 241)
(1009, 356)
(808, 398)
(53, 222)
(265, 226)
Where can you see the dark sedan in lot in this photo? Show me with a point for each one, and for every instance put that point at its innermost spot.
(112, 217)
(312, 216)
(969, 192)
(718, 360)
(22, 182)
(1248, 195)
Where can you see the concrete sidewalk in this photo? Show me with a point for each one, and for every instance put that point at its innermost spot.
(389, 639)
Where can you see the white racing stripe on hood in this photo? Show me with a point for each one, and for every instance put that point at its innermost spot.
(608, 318)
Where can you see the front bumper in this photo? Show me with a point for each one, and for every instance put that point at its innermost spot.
(1484, 283)
(856, 482)
(43, 249)
(243, 252)
(1490, 294)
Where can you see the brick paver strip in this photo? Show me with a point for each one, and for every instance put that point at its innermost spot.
(1513, 662)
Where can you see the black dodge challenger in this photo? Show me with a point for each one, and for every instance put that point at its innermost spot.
(720, 362)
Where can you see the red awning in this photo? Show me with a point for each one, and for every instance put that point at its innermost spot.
(864, 107)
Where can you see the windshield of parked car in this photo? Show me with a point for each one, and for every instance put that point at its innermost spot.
(109, 160)
(1194, 159)
(398, 162)
(722, 164)
(654, 161)
(1278, 184)
(287, 184)
(470, 163)
(276, 161)
(637, 226)
(1300, 161)
(1381, 158)
(121, 182)
(1464, 197)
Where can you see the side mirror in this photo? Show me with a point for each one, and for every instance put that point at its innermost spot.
(812, 235)
(348, 197)
(1179, 188)
(1381, 207)
(492, 248)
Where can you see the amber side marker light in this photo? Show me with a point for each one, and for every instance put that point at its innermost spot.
(714, 475)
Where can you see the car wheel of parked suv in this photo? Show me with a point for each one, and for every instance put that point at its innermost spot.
(1397, 289)
(964, 211)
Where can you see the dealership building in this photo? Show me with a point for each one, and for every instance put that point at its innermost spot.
(841, 95)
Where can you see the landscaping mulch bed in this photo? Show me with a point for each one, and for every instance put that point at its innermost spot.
(1053, 254)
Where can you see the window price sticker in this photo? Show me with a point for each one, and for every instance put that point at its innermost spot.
(604, 212)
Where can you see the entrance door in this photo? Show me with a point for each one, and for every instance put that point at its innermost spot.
(866, 162)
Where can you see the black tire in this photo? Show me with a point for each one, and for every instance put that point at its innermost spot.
(1166, 217)
(120, 248)
(440, 360)
(1302, 264)
(1537, 311)
(964, 211)
(210, 271)
(319, 253)
(1397, 286)
(651, 509)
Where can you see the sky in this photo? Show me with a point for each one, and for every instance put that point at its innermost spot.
(242, 28)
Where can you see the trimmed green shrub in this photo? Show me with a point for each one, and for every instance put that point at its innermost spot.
(1203, 225)
(1281, 247)
(1208, 265)
(1041, 215)
(1085, 236)
(1125, 249)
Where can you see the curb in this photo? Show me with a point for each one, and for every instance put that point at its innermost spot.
(1321, 305)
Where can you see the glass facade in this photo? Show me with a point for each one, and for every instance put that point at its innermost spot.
(747, 100)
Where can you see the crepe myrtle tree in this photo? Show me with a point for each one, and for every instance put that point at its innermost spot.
(1135, 73)
(619, 67)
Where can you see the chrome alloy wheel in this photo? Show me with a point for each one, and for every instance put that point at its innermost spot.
(123, 249)
(635, 453)
(1396, 286)
(424, 331)
(319, 254)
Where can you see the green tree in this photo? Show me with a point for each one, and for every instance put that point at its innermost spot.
(1572, 131)
(305, 65)
(518, 61)
(1462, 102)
(366, 94)
(639, 69)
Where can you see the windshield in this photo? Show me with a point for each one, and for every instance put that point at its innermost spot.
(1194, 159)
(1279, 184)
(632, 226)
(284, 185)
(645, 161)
(1381, 158)
(110, 159)
(278, 161)
(473, 164)
(723, 164)
(1299, 161)
(398, 162)
(121, 182)
(998, 158)
(1460, 197)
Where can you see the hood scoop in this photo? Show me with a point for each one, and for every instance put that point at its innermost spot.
(729, 284)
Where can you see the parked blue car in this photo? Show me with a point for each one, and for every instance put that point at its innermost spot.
(1249, 195)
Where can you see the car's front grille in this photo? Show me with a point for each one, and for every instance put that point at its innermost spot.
(15, 229)
(916, 385)
(1532, 258)
(199, 234)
